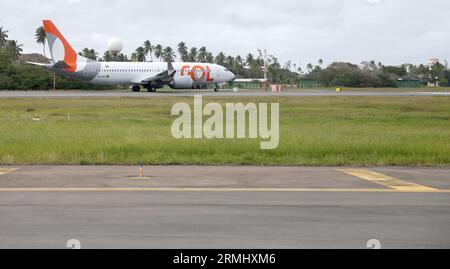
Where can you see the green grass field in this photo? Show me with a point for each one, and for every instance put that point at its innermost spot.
(313, 131)
(421, 89)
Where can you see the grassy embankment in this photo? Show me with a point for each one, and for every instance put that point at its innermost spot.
(314, 131)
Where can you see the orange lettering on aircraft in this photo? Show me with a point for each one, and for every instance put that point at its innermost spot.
(205, 73)
(208, 76)
(183, 69)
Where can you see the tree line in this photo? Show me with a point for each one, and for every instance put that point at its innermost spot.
(366, 74)
(250, 66)
(372, 74)
(14, 75)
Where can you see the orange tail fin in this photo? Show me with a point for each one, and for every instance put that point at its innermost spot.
(60, 49)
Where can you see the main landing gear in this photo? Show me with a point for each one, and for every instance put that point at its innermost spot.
(136, 88)
(151, 87)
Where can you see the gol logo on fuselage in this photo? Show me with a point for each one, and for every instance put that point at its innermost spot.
(197, 73)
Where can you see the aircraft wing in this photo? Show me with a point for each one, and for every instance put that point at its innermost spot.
(165, 76)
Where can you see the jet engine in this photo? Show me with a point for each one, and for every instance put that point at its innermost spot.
(181, 83)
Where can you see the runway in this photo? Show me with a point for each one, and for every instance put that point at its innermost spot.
(129, 94)
(224, 207)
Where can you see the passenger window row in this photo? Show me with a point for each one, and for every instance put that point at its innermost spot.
(131, 70)
(127, 70)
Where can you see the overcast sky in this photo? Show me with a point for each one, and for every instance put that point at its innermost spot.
(390, 31)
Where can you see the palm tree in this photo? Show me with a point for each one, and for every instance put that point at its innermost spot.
(192, 57)
(15, 48)
(229, 62)
(168, 54)
(209, 57)
(288, 65)
(41, 37)
(140, 54)
(309, 67)
(238, 60)
(250, 63)
(122, 58)
(320, 62)
(93, 54)
(158, 51)
(84, 52)
(3, 37)
(201, 57)
(89, 53)
(220, 58)
(183, 51)
(107, 57)
(148, 49)
(373, 65)
(249, 59)
(238, 65)
(134, 57)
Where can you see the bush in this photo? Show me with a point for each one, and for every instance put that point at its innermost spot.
(29, 77)
(350, 75)
(346, 80)
(447, 77)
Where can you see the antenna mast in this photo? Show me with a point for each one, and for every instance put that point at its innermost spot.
(266, 67)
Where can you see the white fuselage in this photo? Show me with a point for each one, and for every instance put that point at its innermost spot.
(117, 73)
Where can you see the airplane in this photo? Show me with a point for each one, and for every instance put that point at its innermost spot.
(151, 75)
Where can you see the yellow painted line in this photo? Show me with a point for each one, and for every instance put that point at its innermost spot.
(215, 190)
(4, 171)
(384, 180)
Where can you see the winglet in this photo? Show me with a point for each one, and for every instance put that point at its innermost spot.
(170, 70)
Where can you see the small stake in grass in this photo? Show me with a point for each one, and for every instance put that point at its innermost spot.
(141, 169)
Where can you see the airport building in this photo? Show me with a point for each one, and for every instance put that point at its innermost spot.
(410, 82)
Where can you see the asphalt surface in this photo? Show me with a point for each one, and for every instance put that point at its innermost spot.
(112, 94)
(223, 207)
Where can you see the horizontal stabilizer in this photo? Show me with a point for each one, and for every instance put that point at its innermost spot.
(58, 65)
(38, 64)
